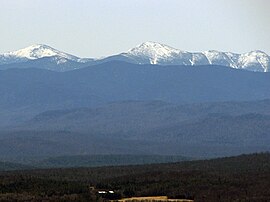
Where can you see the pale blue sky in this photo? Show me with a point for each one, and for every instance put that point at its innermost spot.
(93, 28)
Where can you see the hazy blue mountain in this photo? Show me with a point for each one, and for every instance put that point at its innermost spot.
(199, 130)
(32, 91)
(105, 160)
(142, 117)
(8, 166)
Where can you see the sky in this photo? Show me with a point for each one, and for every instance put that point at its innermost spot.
(96, 28)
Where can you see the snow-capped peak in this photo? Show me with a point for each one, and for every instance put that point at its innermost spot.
(39, 51)
(153, 48)
(153, 51)
(255, 61)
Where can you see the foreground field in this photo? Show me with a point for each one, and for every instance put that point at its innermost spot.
(241, 178)
(153, 199)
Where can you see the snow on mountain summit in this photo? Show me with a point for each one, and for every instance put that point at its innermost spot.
(255, 61)
(39, 51)
(153, 51)
(156, 53)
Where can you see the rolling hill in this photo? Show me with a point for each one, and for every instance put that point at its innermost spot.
(141, 127)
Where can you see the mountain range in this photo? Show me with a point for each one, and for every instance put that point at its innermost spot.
(46, 57)
(153, 99)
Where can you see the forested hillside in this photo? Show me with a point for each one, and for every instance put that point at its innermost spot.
(241, 178)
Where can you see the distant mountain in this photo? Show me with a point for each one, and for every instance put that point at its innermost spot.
(32, 91)
(144, 116)
(105, 160)
(152, 127)
(146, 53)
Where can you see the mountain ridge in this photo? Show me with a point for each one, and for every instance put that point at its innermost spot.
(145, 53)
